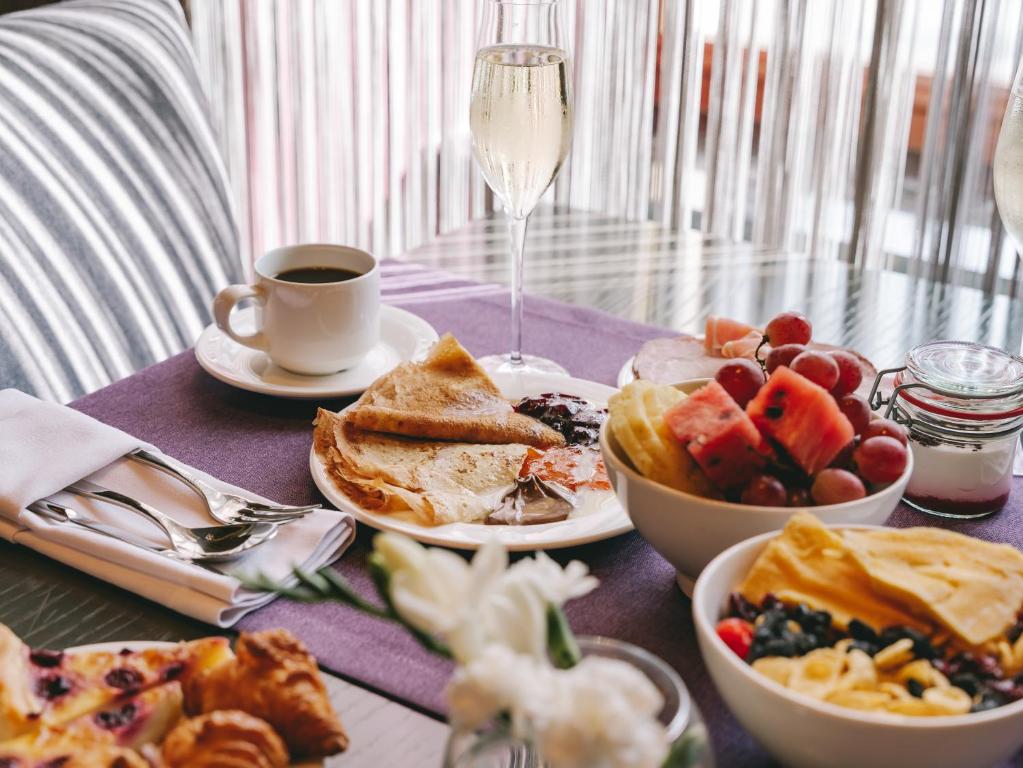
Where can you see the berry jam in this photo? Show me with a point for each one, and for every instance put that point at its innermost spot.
(124, 678)
(116, 718)
(174, 671)
(52, 687)
(47, 659)
(578, 420)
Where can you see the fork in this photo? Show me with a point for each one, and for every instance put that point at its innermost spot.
(226, 508)
(217, 543)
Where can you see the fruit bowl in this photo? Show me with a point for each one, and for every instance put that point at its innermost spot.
(805, 733)
(689, 531)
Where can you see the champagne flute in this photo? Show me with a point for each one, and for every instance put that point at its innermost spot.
(521, 122)
(1007, 170)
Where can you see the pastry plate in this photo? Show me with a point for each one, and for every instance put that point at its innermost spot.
(141, 645)
(403, 337)
(604, 520)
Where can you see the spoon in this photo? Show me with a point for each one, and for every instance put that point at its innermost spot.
(219, 542)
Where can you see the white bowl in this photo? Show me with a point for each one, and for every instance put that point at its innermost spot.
(805, 733)
(689, 531)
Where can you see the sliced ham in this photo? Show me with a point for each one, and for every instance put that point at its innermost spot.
(721, 330)
(745, 346)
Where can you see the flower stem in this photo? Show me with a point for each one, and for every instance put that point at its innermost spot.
(561, 642)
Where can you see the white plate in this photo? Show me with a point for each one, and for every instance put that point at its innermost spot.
(403, 336)
(142, 645)
(626, 375)
(607, 520)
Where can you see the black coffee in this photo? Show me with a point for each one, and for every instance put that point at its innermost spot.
(317, 275)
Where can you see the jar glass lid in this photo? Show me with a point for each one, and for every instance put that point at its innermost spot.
(964, 376)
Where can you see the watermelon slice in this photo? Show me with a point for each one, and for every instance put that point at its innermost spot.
(721, 330)
(802, 418)
(718, 435)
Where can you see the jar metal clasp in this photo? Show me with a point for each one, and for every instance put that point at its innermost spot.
(898, 413)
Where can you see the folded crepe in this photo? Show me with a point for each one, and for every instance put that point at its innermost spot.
(447, 396)
(442, 482)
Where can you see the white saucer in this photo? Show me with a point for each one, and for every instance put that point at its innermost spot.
(606, 519)
(403, 336)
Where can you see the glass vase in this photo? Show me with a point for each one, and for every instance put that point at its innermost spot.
(495, 746)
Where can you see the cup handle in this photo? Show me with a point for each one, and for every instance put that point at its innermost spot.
(226, 301)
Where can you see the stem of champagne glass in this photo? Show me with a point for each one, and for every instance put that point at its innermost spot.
(517, 235)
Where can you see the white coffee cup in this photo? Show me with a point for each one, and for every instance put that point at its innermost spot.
(313, 328)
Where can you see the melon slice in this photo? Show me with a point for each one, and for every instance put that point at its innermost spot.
(719, 436)
(721, 330)
(802, 418)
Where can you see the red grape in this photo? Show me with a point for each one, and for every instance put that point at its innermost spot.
(783, 355)
(834, 486)
(789, 328)
(885, 428)
(856, 410)
(818, 367)
(881, 459)
(799, 497)
(741, 378)
(843, 459)
(850, 375)
(765, 491)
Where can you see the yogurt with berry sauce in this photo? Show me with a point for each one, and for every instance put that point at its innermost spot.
(963, 405)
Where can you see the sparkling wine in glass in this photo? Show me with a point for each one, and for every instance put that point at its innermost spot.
(1007, 166)
(521, 121)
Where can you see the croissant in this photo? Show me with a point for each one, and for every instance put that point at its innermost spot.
(224, 739)
(275, 678)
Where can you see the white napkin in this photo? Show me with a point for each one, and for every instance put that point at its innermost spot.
(45, 447)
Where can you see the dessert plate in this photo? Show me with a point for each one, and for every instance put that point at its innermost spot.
(600, 517)
(403, 337)
(141, 645)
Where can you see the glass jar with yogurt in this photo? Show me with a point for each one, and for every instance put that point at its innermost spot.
(963, 406)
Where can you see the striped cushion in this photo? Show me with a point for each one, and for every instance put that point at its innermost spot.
(116, 226)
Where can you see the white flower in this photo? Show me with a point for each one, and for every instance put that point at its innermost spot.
(491, 684)
(602, 713)
(472, 606)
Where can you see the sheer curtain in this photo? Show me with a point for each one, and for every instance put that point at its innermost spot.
(853, 130)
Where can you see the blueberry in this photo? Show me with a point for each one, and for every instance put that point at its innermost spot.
(915, 687)
(863, 632)
(967, 682)
(804, 642)
(987, 701)
(870, 649)
(779, 647)
(922, 648)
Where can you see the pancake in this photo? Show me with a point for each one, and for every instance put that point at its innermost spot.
(807, 563)
(447, 396)
(440, 481)
(972, 588)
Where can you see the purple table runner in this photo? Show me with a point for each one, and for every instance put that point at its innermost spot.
(262, 443)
